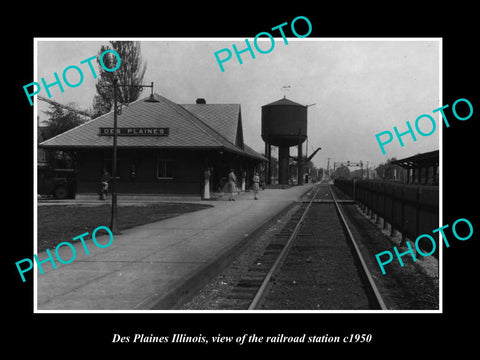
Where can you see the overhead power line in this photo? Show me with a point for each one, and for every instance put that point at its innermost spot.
(66, 107)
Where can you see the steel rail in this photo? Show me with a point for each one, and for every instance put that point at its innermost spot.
(371, 282)
(279, 261)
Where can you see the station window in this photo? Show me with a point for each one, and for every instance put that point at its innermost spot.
(108, 165)
(165, 165)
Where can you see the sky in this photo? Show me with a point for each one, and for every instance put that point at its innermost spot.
(357, 88)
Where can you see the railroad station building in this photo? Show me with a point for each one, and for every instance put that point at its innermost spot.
(162, 148)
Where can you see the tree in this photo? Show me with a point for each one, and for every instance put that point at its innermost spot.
(60, 120)
(389, 171)
(131, 72)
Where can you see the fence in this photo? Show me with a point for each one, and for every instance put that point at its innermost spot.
(410, 209)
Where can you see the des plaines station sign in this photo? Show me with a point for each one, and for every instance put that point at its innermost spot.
(134, 131)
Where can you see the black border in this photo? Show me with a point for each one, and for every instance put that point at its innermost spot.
(408, 334)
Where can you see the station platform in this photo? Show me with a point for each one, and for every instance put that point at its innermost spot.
(150, 267)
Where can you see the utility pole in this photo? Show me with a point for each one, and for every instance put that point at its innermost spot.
(113, 220)
(116, 111)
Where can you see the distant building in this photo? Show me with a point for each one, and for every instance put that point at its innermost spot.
(163, 147)
(342, 172)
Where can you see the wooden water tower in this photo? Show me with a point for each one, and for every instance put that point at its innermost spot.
(284, 124)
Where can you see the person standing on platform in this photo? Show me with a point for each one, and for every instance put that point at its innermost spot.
(232, 186)
(206, 184)
(256, 185)
(104, 184)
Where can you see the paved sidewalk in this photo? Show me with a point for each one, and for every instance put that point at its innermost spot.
(149, 266)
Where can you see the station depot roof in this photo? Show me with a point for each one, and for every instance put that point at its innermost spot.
(197, 126)
(419, 160)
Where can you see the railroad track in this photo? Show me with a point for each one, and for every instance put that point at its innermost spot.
(314, 263)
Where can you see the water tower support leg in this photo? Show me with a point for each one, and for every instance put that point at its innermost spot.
(300, 165)
(268, 167)
(283, 157)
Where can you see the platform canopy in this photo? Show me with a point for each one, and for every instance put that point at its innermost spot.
(422, 168)
(419, 161)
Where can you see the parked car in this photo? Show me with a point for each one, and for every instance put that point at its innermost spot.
(59, 183)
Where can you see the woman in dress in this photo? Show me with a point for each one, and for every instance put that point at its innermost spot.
(256, 185)
(232, 187)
